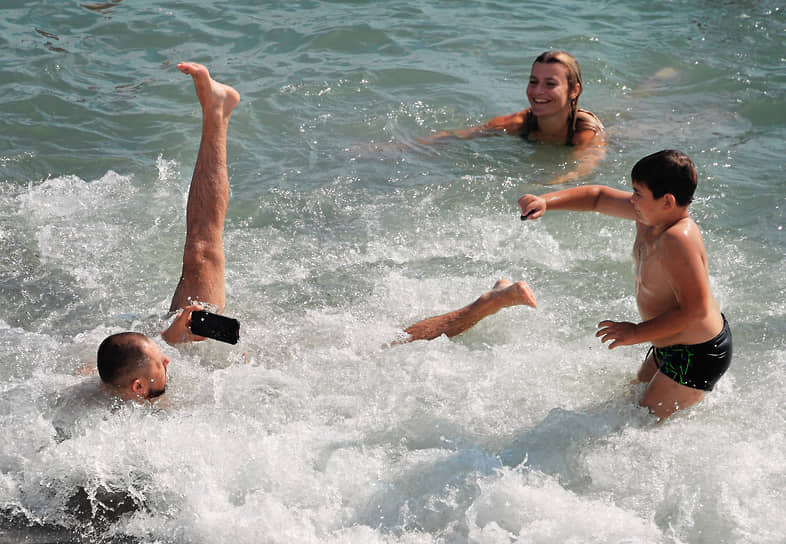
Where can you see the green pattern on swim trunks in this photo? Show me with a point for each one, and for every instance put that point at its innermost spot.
(675, 362)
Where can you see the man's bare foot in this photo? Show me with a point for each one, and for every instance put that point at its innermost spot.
(215, 98)
(513, 294)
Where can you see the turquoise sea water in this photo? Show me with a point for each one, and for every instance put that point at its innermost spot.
(524, 429)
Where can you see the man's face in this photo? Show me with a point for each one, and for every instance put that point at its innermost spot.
(155, 377)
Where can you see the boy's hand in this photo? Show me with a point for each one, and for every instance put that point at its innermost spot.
(621, 333)
(532, 207)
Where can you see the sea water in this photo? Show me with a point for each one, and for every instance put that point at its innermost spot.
(342, 231)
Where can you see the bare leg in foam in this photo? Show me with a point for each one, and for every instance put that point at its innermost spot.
(504, 295)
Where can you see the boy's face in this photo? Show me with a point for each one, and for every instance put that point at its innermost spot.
(647, 207)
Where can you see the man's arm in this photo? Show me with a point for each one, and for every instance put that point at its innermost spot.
(179, 332)
(685, 272)
(590, 198)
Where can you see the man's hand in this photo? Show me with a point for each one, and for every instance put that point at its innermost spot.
(179, 332)
(532, 207)
(620, 333)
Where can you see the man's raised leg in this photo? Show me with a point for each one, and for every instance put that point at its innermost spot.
(202, 278)
(503, 295)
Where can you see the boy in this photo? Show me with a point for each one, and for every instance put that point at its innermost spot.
(691, 340)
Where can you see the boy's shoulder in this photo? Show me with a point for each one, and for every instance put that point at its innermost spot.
(685, 226)
(683, 235)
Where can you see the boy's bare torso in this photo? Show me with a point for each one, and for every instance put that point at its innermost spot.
(654, 293)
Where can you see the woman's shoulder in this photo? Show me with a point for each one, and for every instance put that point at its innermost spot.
(586, 120)
(588, 129)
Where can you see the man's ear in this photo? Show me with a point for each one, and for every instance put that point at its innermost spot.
(138, 387)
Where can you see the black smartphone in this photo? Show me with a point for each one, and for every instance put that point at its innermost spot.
(217, 327)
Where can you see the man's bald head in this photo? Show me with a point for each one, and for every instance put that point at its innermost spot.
(121, 356)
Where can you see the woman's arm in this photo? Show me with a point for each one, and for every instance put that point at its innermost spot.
(590, 150)
(510, 124)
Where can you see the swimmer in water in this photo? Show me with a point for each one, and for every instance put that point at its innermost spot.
(553, 116)
(132, 365)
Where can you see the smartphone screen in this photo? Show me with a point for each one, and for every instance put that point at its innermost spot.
(215, 326)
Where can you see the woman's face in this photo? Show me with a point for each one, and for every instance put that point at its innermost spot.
(548, 91)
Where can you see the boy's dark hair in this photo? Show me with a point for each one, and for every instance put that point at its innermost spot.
(120, 354)
(667, 171)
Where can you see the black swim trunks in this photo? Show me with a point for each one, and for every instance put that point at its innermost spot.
(699, 365)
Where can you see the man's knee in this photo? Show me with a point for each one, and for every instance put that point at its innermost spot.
(202, 254)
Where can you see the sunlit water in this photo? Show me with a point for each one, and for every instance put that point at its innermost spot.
(523, 429)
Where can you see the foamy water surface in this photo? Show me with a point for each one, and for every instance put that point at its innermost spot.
(313, 429)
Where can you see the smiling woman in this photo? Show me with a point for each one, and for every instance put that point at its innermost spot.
(553, 116)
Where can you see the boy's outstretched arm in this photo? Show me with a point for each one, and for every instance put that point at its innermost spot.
(597, 198)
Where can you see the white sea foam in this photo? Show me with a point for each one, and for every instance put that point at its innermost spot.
(313, 428)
